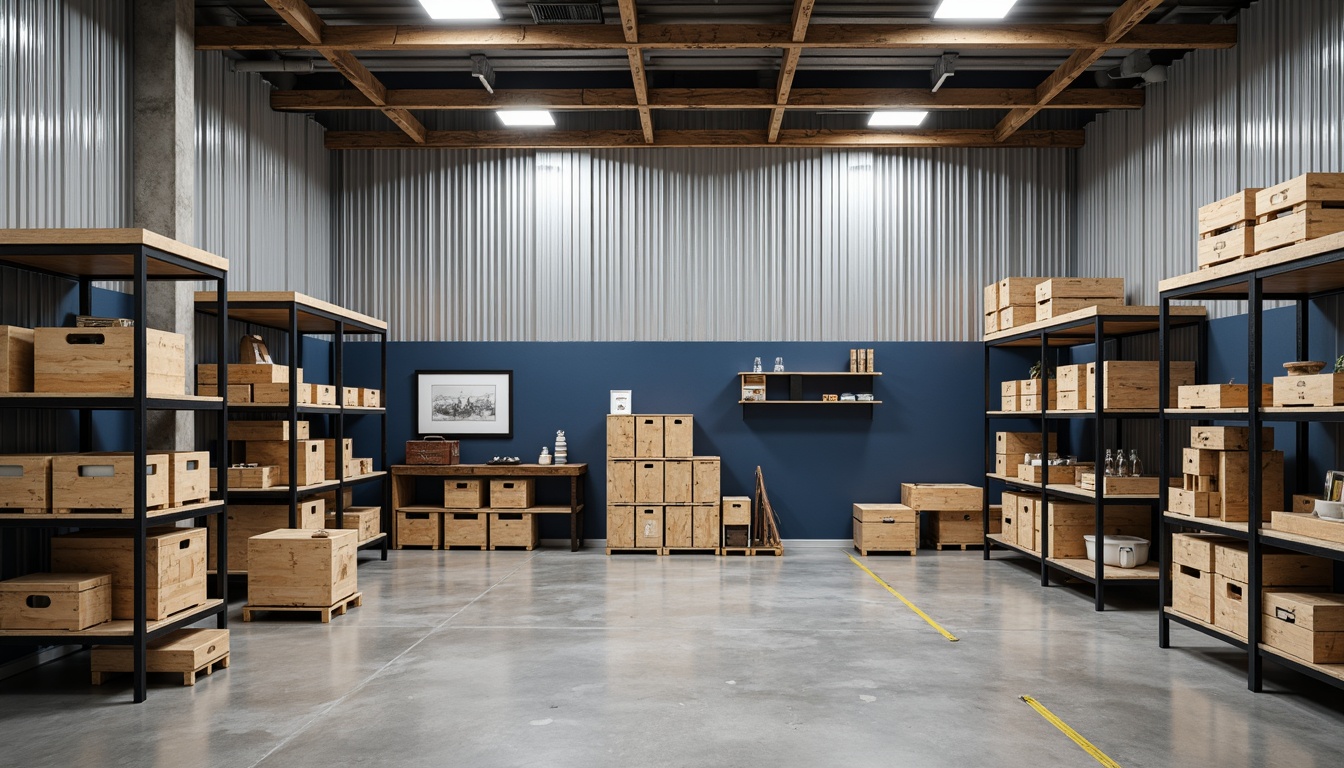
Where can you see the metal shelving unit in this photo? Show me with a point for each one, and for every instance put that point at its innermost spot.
(297, 315)
(1301, 274)
(1095, 326)
(84, 256)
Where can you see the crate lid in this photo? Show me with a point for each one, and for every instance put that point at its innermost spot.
(874, 513)
(1315, 611)
(295, 534)
(56, 582)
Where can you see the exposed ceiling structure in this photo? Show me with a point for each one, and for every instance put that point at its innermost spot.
(661, 73)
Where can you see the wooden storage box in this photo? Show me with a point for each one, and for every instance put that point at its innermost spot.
(56, 601)
(992, 321)
(1192, 503)
(620, 437)
(248, 520)
(466, 529)
(267, 430)
(991, 298)
(1321, 390)
(459, 493)
(1220, 395)
(736, 510)
(1229, 438)
(1192, 592)
(322, 394)
(1234, 483)
(16, 359)
(1196, 550)
(419, 529)
(678, 436)
(648, 522)
(513, 529)
(247, 373)
(1058, 307)
(183, 652)
(1307, 524)
(1080, 288)
(350, 397)
(174, 567)
(106, 481)
(962, 528)
(278, 394)
(1032, 403)
(944, 497)
(678, 482)
(433, 451)
(706, 481)
(650, 482)
(330, 455)
(1010, 403)
(1011, 443)
(1227, 246)
(1231, 211)
(885, 528)
(677, 520)
(25, 483)
(1014, 291)
(620, 526)
(1132, 384)
(1199, 461)
(1008, 517)
(1072, 378)
(1051, 475)
(1304, 625)
(705, 526)
(367, 521)
(512, 493)
(260, 477)
(1016, 316)
(1069, 522)
(1028, 509)
(648, 437)
(1121, 486)
(1227, 229)
(188, 477)
(370, 398)
(1279, 568)
(620, 482)
(1005, 464)
(102, 361)
(291, 568)
(1284, 228)
(1036, 387)
(237, 393)
(312, 460)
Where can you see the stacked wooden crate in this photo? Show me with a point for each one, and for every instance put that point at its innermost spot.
(954, 512)
(253, 383)
(267, 443)
(248, 520)
(1014, 305)
(1060, 296)
(1227, 229)
(104, 483)
(1011, 449)
(1216, 476)
(660, 496)
(1301, 209)
(1126, 384)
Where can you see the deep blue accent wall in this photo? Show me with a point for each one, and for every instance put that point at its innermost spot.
(817, 460)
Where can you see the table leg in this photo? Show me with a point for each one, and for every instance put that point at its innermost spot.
(574, 514)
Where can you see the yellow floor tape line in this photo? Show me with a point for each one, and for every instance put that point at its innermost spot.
(1096, 754)
(951, 637)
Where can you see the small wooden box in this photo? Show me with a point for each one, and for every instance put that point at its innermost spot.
(1010, 403)
(1032, 403)
(705, 526)
(188, 477)
(944, 497)
(106, 481)
(1005, 465)
(513, 529)
(1016, 316)
(25, 483)
(102, 361)
(736, 510)
(182, 652)
(1307, 524)
(460, 493)
(1014, 291)
(1304, 625)
(1008, 517)
(1052, 308)
(1080, 288)
(1321, 390)
(292, 568)
(1010, 388)
(648, 437)
(1072, 378)
(1220, 395)
(312, 458)
(1036, 387)
(1231, 211)
(1234, 483)
(885, 528)
(1229, 438)
(330, 455)
(267, 430)
(678, 436)
(678, 482)
(648, 521)
(677, 531)
(1121, 486)
(367, 521)
(466, 529)
(707, 480)
(56, 601)
(247, 373)
(1227, 246)
(174, 567)
(1132, 384)
(1192, 592)
(620, 526)
(1052, 475)
(350, 397)
(992, 321)
(260, 477)
(1009, 443)
(278, 394)
(16, 359)
(370, 398)
(620, 482)
(248, 520)
(1028, 508)
(433, 451)
(1193, 503)
(650, 482)
(322, 394)
(419, 529)
(512, 493)
(1199, 461)
(620, 437)
(1196, 550)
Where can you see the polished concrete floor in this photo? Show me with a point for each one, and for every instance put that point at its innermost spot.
(554, 658)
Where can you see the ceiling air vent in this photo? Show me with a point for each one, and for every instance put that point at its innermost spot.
(566, 13)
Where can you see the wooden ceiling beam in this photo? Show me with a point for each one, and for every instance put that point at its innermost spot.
(720, 36)
(630, 30)
(788, 67)
(302, 18)
(356, 140)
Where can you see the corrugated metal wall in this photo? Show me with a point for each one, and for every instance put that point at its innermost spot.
(695, 244)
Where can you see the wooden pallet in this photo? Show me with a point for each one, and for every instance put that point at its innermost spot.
(689, 551)
(634, 550)
(507, 547)
(471, 547)
(866, 552)
(17, 511)
(107, 511)
(188, 677)
(775, 551)
(338, 609)
(962, 547)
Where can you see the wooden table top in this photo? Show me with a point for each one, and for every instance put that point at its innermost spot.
(491, 470)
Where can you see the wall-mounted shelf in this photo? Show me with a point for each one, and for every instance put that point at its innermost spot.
(796, 379)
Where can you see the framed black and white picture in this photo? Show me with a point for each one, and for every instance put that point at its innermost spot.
(459, 404)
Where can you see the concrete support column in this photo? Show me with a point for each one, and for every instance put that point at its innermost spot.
(164, 87)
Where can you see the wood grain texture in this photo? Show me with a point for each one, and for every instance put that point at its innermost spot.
(298, 15)
(238, 301)
(108, 237)
(630, 28)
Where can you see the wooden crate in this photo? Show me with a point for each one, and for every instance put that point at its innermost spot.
(1227, 229)
(466, 529)
(184, 652)
(1036, 387)
(1278, 568)
(460, 493)
(1220, 396)
(1307, 524)
(1010, 388)
(946, 497)
(102, 361)
(1227, 246)
(1014, 291)
(512, 493)
(1005, 464)
(1121, 486)
(1051, 475)
(706, 480)
(1321, 390)
(678, 436)
(1016, 316)
(705, 526)
(1069, 522)
(1027, 509)
(1305, 625)
(248, 520)
(278, 394)
(295, 568)
(1010, 404)
(678, 482)
(367, 521)
(312, 460)
(188, 477)
(1229, 438)
(1132, 384)
(990, 302)
(1300, 209)
(677, 526)
(350, 397)
(267, 430)
(620, 526)
(106, 482)
(961, 528)
(1072, 378)
(1080, 288)
(1011, 443)
(1058, 307)
(648, 437)
(1032, 403)
(885, 528)
(260, 477)
(237, 393)
(1230, 612)
(1196, 550)
(419, 529)
(1008, 517)
(16, 359)
(1192, 592)
(650, 482)
(736, 510)
(1234, 483)
(247, 373)
(1193, 503)
(330, 455)
(620, 437)
(620, 482)
(56, 601)
(1199, 461)
(648, 522)
(321, 394)
(370, 398)
(25, 483)
(174, 567)
(992, 322)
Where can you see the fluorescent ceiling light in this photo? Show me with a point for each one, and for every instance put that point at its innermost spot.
(971, 9)
(896, 119)
(461, 9)
(525, 117)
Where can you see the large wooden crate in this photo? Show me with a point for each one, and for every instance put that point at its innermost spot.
(678, 436)
(885, 528)
(1017, 443)
(102, 361)
(267, 430)
(312, 460)
(650, 482)
(677, 526)
(1301, 209)
(706, 488)
(648, 522)
(295, 568)
(514, 529)
(1058, 307)
(648, 437)
(620, 526)
(25, 483)
(620, 482)
(184, 652)
(620, 437)
(106, 482)
(188, 477)
(330, 456)
(56, 601)
(1304, 625)
(462, 493)
(1132, 384)
(1322, 390)
(419, 529)
(678, 482)
(1229, 438)
(174, 567)
(248, 520)
(945, 497)
(466, 529)
(16, 359)
(1234, 483)
(512, 493)
(1018, 291)
(705, 526)
(952, 529)
(1192, 592)
(1227, 229)
(1069, 522)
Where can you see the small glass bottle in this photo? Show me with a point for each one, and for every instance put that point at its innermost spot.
(1110, 463)
(779, 365)
(1121, 466)
(1135, 466)
(756, 366)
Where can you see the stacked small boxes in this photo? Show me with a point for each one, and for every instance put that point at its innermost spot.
(1016, 305)
(273, 451)
(1227, 229)
(1011, 449)
(1216, 476)
(955, 512)
(1059, 296)
(252, 383)
(660, 496)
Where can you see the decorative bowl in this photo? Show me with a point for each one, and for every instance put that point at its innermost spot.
(1304, 367)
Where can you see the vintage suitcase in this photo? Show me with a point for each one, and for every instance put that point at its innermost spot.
(433, 450)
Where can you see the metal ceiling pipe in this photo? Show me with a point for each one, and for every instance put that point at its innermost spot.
(298, 66)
